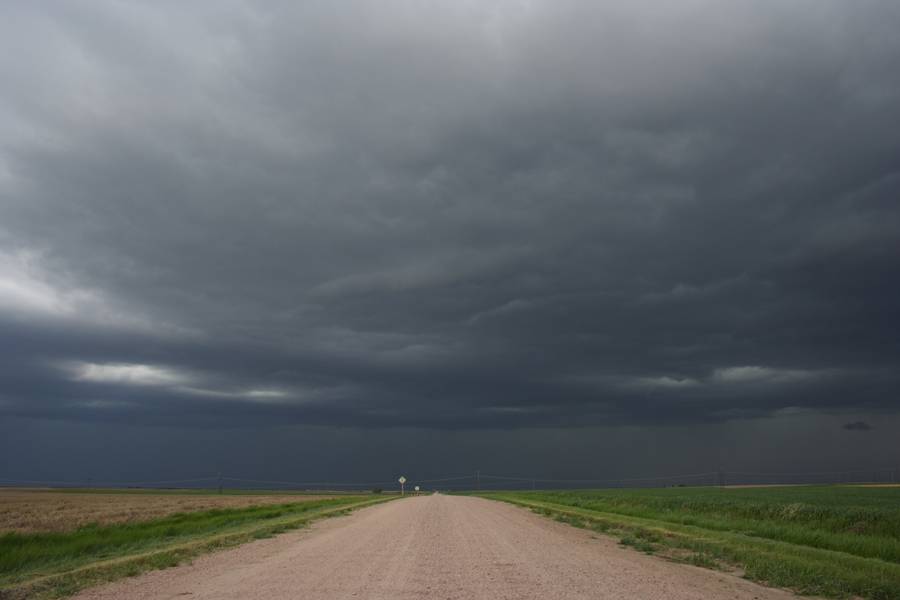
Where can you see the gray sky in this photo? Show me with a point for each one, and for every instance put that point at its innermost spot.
(533, 235)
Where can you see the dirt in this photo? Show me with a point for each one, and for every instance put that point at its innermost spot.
(446, 547)
(32, 511)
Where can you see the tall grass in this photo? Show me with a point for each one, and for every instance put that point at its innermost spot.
(27, 555)
(860, 521)
(829, 540)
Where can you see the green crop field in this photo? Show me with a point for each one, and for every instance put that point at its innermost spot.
(57, 561)
(831, 540)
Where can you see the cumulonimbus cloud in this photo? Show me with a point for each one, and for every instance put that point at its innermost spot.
(459, 216)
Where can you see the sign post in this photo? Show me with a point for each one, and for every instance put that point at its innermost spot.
(417, 490)
(402, 480)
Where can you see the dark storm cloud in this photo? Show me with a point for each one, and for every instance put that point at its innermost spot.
(857, 426)
(460, 216)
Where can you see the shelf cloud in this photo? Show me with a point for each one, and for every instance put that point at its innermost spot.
(454, 217)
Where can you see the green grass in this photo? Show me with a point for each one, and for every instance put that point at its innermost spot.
(831, 541)
(58, 564)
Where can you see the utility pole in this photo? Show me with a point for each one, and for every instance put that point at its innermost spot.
(220, 481)
(478, 480)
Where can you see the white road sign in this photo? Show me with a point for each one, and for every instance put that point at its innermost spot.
(402, 479)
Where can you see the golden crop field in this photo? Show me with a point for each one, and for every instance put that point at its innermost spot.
(38, 510)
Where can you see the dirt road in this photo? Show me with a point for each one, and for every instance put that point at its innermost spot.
(443, 547)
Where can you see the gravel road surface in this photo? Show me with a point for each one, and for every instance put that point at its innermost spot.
(443, 547)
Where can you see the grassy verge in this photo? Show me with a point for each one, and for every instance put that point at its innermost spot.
(833, 542)
(52, 565)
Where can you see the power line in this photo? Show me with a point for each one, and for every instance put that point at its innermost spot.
(810, 473)
(607, 480)
(310, 483)
(474, 481)
(445, 479)
(115, 483)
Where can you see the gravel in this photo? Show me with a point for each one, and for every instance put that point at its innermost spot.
(436, 546)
